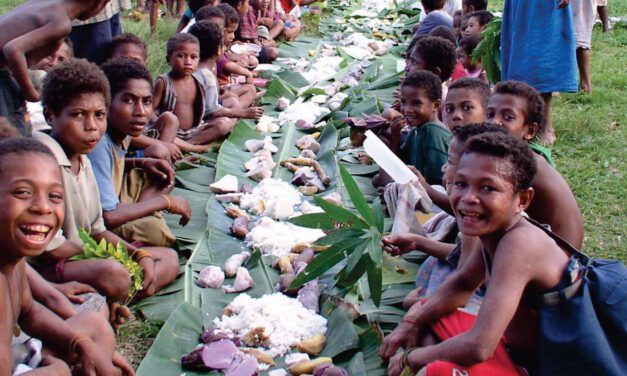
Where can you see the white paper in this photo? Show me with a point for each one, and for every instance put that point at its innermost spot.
(387, 160)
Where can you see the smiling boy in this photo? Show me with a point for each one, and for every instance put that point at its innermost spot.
(426, 145)
(33, 211)
(466, 103)
(520, 108)
(492, 189)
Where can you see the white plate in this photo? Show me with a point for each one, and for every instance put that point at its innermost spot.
(245, 48)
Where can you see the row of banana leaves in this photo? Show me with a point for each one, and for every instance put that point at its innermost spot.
(363, 290)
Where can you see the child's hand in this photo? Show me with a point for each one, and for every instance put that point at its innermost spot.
(180, 206)
(175, 152)
(397, 124)
(421, 178)
(249, 78)
(399, 244)
(54, 366)
(123, 364)
(149, 275)
(160, 169)
(364, 159)
(73, 289)
(93, 361)
(253, 112)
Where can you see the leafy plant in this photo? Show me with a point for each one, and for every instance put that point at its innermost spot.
(107, 251)
(488, 51)
(354, 238)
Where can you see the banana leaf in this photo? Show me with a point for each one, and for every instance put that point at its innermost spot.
(196, 179)
(198, 221)
(341, 335)
(179, 335)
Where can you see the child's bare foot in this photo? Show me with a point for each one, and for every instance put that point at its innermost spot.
(188, 159)
(261, 93)
(119, 314)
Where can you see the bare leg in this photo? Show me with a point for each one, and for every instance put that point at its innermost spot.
(246, 94)
(186, 146)
(170, 5)
(108, 277)
(167, 124)
(292, 32)
(180, 8)
(547, 138)
(231, 102)
(605, 18)
(218, 129)
(276, 29)
(583, 62)
(412, 298)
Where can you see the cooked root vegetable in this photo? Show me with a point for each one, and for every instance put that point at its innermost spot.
(307, 154)
(308, 367)
(309, 296)
(300, 247)
(212, 276)
(308, 190)
(235, 212)
(285, 265)
(243, 282)
(313, 345)
(260, 356)
(234, 262)
(282, 104)
(242, 365)
(213, 356)
(329, 370)
(239, 229)
(333, 198)
(284, 282)
(229, 197)
(305, 256)
(227, 184)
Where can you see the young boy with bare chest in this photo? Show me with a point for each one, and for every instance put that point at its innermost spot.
(33, 211)
(492, 188)
(520, 108)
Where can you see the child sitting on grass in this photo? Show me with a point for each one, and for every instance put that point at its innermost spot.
(464, 55)
(77, 110)
(180, 92)
(127, 45)
(247, 31)
(193, 6)
(133, 191)
(436, 16)
(33, 203)
(520, 108)
(519, 261)
(477, 22)
(268, 16)
(210, 36)
(426, 145)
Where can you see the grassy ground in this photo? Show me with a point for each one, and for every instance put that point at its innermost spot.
(589, 151)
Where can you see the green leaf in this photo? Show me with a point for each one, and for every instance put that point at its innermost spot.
(377, 209)
(356, 197)
(375, 251)
(375, 282)
(341, 334)
(315, 220)
(340, 214)
(325, 261)
(339, 235)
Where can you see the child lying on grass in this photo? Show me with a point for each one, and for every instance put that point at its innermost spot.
(33, 203)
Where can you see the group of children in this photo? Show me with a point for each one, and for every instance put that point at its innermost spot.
(469, 313)
(105, 140)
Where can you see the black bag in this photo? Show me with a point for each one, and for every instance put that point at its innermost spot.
(582, 328)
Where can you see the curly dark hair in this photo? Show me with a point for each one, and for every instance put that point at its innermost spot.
(516, 153)
(233, 3)
(468, 44)
(462, 134)
(444, 32)
(195, 5)
(433, 4)
(535, 103)
(22, 146)
(426, 81)
(208, 12)
(230, 14)
(122, 69)
(68, 80)
(177, 40)
(126, 38)
(476, 4)
(210, 36)
(475, 85)
(483, 16)
(437, 53)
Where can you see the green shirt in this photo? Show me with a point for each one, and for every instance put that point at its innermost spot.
(544, 152)
(426, 148)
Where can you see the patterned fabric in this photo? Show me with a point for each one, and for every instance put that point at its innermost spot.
(112, 8)
(247, 30)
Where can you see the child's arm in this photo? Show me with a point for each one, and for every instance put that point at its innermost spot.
(159, 169)
(440, 199)
(182, 23)
(124, 213)
(158, 94)
(396, 125)
(234, 68)
(40, 322)
(45, 293)
(15, 51)
(65, 251)
(399, 244)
